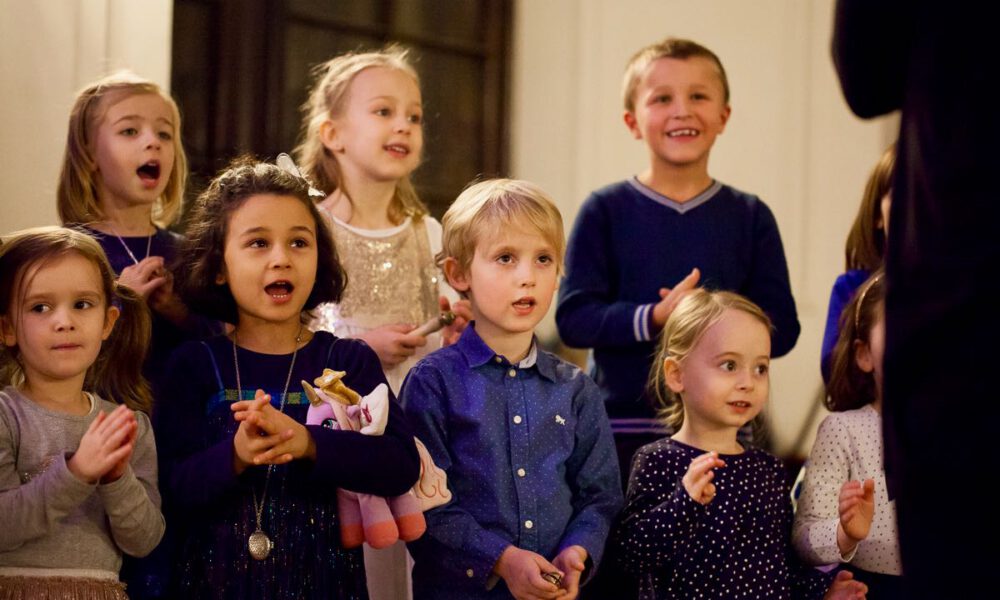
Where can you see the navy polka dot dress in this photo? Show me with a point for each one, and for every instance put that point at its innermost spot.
(735, 547)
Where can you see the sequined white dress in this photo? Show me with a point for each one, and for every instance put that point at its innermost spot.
(392, 277)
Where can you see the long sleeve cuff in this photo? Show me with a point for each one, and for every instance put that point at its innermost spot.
(71, 491)
(642, 322)
(822, 540)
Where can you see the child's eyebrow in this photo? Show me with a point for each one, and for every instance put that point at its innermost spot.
(139, 118)
(45, 295)
(391, 98)
(265, 229)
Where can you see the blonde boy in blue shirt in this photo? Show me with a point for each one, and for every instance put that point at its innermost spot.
(523, 435)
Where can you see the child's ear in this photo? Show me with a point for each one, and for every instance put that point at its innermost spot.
(727, 111)
(672, 375)
(632, 123)
(863, 357)
(110, 318)
(455, 274)
(220, 277)
(7, 330)
(329, 136)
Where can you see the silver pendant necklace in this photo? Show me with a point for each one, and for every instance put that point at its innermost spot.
(149, 243)
(260, 544)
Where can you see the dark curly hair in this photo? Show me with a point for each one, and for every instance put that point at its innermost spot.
(201, 253)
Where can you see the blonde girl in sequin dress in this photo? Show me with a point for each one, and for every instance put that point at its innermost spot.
(705, 516)
(363, 136)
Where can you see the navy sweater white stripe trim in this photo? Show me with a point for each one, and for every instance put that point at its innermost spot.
(640, 322)
(681, 207)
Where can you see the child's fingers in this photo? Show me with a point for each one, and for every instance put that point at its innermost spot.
(400, 327)
(261, 399)
(122, 453)
(412, 341)
(280, 452)
(709, 491)
(92, 428)
(116, 438)
(119, 417)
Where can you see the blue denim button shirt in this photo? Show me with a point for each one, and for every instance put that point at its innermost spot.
(529, 456)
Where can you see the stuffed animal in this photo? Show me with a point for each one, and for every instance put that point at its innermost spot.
(364, 517)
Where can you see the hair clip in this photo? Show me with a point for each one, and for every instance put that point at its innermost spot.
(861, 299)
(286, 164)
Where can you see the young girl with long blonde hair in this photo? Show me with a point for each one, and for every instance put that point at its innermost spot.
(362, 139)
(122, 182)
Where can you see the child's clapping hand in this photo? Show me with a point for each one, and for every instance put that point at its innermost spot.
(522, 571)
(857, 508)
(267, 435)
(105, 447)
(698, 479)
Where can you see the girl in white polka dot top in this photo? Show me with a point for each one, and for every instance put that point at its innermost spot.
(705, 516)
(845, 513)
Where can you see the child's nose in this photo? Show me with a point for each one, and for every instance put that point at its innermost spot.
(681, 108)
(527, 275)
(63, 320)
(403, 124)
(152, 139)
(746, 381)
(280, 256)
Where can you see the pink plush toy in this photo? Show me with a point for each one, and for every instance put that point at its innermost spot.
(363, 517)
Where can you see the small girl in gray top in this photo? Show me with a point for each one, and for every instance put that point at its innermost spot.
(77, 472)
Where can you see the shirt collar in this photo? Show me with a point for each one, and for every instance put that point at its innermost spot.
(477, 353)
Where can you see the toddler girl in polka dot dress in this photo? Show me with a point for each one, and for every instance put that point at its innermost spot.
(845, 514)
(705, 516)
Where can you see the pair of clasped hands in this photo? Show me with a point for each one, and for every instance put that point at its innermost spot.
(396, 342)
(856, 506)
(267, 436)
(151, 279)
(106, 447)
(525, 572)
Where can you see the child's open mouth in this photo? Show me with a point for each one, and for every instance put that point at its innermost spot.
(739, 404)
(524, 304)
(683, 133)
(398, 149)
(279, 290)
(149, 172)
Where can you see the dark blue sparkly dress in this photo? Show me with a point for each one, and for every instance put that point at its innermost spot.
(215, 512)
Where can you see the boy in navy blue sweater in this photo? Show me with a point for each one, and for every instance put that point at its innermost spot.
(671, 223)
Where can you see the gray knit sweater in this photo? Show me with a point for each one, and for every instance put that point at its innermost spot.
(51, 519)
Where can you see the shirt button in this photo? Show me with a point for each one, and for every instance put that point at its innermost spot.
(470, 573)
(517, 419)
(521, 472)
(512, 373)
(529, 524)
(498, 359)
